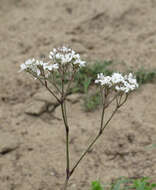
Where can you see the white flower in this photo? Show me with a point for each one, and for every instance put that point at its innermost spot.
(130, 78)
(118, 82)
(33, 66)
(51, 67)
(117, 78)
(103, 80)
(27, 64)
(23, 67)
(79, 63)
(60, 57)
(66, 56)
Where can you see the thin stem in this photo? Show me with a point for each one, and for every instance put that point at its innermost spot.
(93, 142)
(104, 96)
(102, 118)
(86, 151)
(45, 84)
(117, 104)
(67, 132)
(67, 142)
(124, 100)
(117, 107)
(63, 108)
(71, 80)
(63, 84)
(54, 84)
(65, 184)
(65, 111)
(113, 113)
(120, 98)
(112, 100)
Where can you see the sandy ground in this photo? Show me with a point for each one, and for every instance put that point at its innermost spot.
(33, 147)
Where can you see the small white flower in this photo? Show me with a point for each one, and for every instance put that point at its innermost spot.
(130, 78)
(27, 64)
(60, 57)
(51, 67)
(103, 80)
(34, 66)
(120, 83)
(80, 63)
(66, 56)
(23, 67)
(117, 78)
(51, 55)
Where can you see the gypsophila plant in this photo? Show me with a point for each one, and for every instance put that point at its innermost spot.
(87, 75)
(57, 75)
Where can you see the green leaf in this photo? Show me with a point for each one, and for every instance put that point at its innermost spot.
(96, 186)
(86, 84)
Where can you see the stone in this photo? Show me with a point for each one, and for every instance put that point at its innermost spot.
(8, 142)
(45, 96)
(74, 98)
(57, 113)
(36, 108)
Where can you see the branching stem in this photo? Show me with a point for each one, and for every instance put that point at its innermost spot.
(95, 139)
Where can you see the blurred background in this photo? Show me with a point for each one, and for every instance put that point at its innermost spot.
(32, 147)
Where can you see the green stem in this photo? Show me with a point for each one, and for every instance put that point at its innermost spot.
(45, 84)
(93, 142)
(112, 100)
(64, 115)
(71, 80)
(104, 99)
(121, 103)
(65, 184)
(102, 117)
(86, 151)
(67, 143)
(65, 112)
(110, 118)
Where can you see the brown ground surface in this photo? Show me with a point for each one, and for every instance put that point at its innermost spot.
(32, 148)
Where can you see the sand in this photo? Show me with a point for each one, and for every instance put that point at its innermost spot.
(33, 150)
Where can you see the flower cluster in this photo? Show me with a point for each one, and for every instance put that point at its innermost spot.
(37, 67)
(66, 56)
(58, 57)
(118, 82)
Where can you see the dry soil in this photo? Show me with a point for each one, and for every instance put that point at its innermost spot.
(32, 147)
